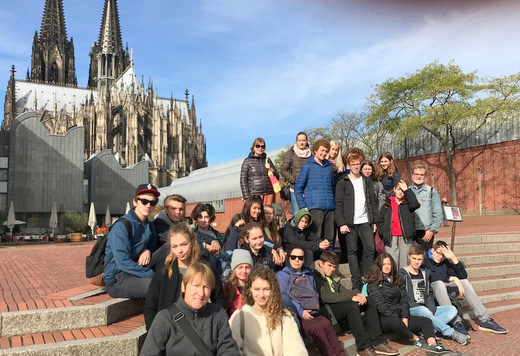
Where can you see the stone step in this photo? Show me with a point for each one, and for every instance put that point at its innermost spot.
(497, 270)
(502, 295)
(473, 249)
(127, 344)
(495, 284)
(491, 258)
(76, 317)
(474, 239)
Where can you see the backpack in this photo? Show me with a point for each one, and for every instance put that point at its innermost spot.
(301, 289)
(94, 265)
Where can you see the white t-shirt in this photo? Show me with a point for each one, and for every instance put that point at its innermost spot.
(360, 209)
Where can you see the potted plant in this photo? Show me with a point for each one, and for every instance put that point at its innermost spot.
(75, 223)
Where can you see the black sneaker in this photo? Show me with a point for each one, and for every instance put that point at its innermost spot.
(436, 349)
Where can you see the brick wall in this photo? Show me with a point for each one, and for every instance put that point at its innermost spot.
(498, 165)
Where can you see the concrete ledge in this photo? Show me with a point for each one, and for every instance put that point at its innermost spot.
(55, 319)
(127, 345)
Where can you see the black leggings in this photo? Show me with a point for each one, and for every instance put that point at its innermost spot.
(415, 324)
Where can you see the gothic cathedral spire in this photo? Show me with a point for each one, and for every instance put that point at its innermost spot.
(108, 59)
(52, 59)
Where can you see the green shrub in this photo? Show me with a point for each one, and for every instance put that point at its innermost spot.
(75, 222)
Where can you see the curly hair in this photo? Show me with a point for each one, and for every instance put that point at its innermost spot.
(185, 230)
(274, 311)
(380, 172)
(375, 274)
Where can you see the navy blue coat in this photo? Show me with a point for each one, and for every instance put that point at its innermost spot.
(314, 188)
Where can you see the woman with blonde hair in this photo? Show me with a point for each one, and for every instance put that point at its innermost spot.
(336, 159)
(208, 322)
(165, 288)
(271, 329)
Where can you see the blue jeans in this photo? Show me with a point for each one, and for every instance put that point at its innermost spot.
(294, 204)
(443, 315)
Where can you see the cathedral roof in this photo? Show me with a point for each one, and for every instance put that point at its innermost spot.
(218, 182)
(53, 27)
(110, 32)
(46, 94)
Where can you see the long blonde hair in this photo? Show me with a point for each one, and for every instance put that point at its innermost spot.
(275, 311)
(185, 230)
(340, 166)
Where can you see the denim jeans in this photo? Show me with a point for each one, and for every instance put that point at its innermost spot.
(294, 204)
(443, 315)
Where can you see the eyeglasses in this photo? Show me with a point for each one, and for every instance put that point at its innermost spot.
(146, 201)
(293, 257)
(260, 146)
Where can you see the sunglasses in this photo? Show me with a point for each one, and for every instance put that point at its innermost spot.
(260, 146)
(146, 201)
(293, 257)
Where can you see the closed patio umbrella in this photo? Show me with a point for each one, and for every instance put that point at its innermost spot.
(11, 220)
(108, 218)
(53, 221)
(92, 221)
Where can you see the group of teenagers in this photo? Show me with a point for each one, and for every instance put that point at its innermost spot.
(258, 290)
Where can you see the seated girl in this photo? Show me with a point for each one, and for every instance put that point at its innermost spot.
(241, 265)
(385, 289)
(165, 288)
(297, 284)
(271, 329)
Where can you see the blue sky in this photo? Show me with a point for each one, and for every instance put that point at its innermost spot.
(271, 68)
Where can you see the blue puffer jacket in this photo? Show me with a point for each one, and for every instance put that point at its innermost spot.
(314, 188)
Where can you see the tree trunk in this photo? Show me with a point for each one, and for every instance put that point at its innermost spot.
(452, 177)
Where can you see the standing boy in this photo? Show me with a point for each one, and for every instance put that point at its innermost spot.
(356, 216)
(314, 190)
(421, 299)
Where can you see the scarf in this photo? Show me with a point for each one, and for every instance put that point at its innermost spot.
(305, 153)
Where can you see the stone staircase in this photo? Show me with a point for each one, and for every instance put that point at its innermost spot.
(493, 265)
(114, 326)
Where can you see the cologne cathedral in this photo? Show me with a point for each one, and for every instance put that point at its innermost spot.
(116, 109)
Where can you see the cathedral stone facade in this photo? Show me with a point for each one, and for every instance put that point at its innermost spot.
(118, 111)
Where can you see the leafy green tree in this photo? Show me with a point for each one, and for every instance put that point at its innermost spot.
(446, 103)
(351, 130)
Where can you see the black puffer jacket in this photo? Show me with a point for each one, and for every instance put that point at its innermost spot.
(291, 166)
(389, 298)
(253, 176)
(406, 209)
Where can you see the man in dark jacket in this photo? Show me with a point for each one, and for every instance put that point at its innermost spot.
(356, 216)
(298, 232)
(314, 190)
(446, 269)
